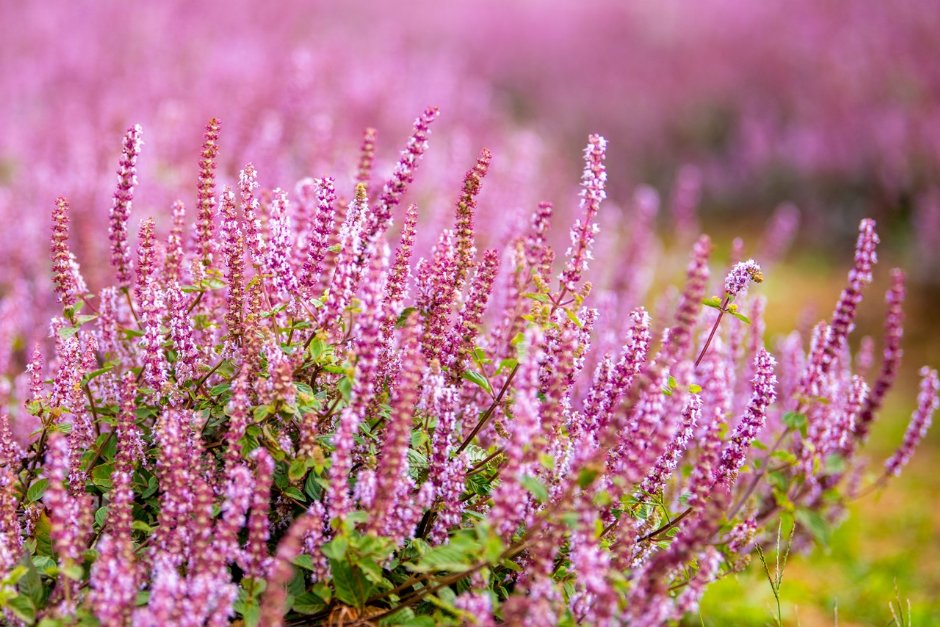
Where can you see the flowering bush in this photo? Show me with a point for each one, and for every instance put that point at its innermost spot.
(281, 421)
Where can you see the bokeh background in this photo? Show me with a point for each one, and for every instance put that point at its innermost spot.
(730, 106)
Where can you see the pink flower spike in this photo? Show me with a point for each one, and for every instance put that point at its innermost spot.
(927, 403)
(593, 184)
(121, 207)
(206, 202)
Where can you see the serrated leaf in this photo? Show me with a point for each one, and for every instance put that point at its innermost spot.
(352, 587)
(101, 475)
(35, 491)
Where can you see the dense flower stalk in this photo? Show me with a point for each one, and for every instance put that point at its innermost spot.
(891, 357)
(367, 351)
(182, 335)
(320, 234)
(394, 486)
(121, 207)
(402, 176)
(63, 262)
(348, 270)
(397, 283)
(843, 318)
(538, 253)
(468, 322)
(68, 513)
(173, 260)
(153, 308)
(366, 156)
(927, 403)
(248, 189)
(146, 258)
(465, 250)
(593, 193)
(205, 198)
(255, 559)
(764, 395)
(279, 251)
(233, 250)
(690, 303)
(667, 462)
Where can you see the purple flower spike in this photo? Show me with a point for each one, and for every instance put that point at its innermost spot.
(593, 193)
(764, 395)
(927, 403)
(121, 207)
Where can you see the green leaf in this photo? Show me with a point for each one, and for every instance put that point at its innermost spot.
(587, 476)
(475, 377)
(506, 365)
(573, 317)
(35, 491)
(741, 317)
(31, 584)
(403, 316)
(308, 603)
(336, 548)
(352, 588)
(695, 388)
(535, 487)
(795, 420)
(294, 493)
(712, 301)
(303, 561)
(139, 525)
(297, 469)
(261, 412)
(101, 475)
(94, 374)
(312, 488)
(101, 515)
(541, 298)
(22, 606)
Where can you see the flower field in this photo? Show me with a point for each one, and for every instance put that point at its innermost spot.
(469, 314)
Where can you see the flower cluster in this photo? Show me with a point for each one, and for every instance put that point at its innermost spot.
(279, 422)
